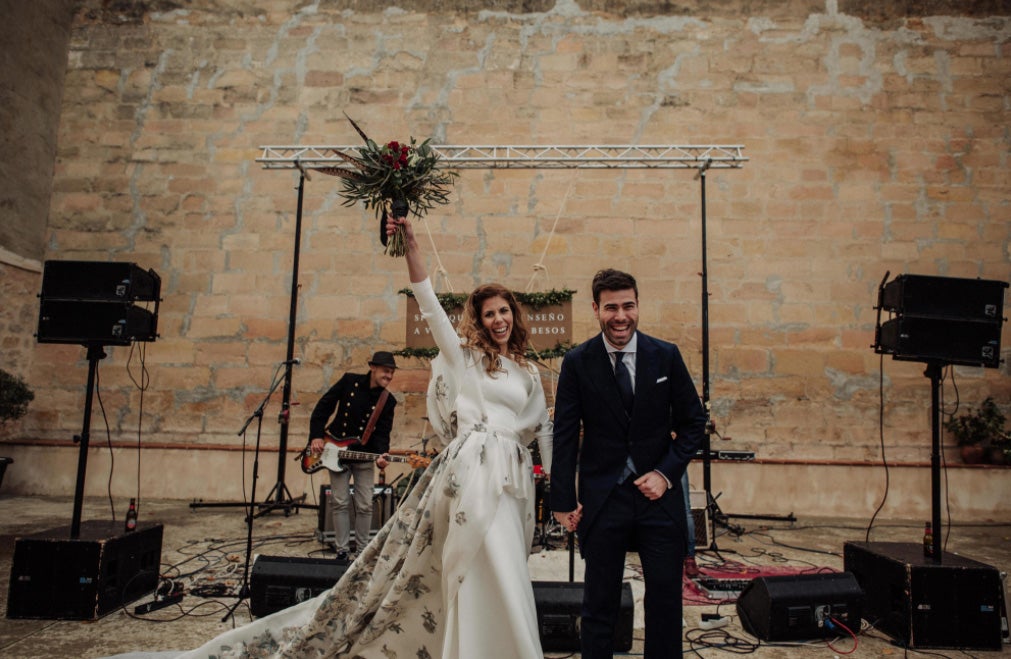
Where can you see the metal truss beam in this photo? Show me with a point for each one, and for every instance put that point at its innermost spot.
(618, 156)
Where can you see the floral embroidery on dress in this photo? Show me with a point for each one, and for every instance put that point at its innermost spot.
(429, 621)
(416, 586)
(426, 538)
(460, 518)
(452, 487)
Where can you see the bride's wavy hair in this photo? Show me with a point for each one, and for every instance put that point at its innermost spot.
(476, 337)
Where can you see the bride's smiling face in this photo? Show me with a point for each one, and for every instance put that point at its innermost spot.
(497, 320)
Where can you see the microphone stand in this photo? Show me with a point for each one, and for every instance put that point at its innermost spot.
(257, 414)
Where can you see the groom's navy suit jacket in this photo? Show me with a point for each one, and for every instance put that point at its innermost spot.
(665, 400)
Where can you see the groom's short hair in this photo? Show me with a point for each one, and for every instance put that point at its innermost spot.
(612, 280)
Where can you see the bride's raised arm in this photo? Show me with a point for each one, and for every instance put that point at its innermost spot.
(438, 321)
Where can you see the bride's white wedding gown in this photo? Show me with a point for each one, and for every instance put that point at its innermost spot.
(447, 575)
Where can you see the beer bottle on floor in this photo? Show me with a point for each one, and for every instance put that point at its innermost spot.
(131, 516)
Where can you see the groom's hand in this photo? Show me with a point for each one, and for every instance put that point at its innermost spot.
(570, 520)
(652, 485)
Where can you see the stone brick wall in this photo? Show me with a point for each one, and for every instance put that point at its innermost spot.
(33, 41)
(876, 140)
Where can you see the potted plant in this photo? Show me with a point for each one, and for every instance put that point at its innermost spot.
(980, 434)
(14, 398)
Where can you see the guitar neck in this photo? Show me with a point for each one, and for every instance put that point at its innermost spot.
(365, 456)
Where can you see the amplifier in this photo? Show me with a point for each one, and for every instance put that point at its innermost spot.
(382, 509)
(277, 582)
(966, 342)
(558, 613)
(800, 607)
(94, 280)
(700, 516)
(924, 604)
(108, 323)
(59, 577)
(945, 297)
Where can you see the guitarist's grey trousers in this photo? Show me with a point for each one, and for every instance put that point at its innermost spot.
(364, 476)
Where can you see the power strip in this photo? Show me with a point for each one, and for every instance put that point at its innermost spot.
(168, 600)
(713, 621)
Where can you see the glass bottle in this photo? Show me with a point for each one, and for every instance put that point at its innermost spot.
(131, 516)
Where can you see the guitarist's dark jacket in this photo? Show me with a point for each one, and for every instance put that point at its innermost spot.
(353, 400)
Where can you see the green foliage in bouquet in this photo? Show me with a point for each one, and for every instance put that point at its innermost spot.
(394, 178)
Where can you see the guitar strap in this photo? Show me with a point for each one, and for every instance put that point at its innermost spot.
(371, 425)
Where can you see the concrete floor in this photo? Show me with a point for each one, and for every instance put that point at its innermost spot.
(204, 550)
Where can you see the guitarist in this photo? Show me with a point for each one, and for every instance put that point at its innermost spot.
(359, 424)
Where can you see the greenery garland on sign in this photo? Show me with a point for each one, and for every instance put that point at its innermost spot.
(450, 301)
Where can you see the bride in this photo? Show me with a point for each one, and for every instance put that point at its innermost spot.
(447, 575)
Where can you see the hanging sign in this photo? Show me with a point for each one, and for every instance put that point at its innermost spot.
(549, 325)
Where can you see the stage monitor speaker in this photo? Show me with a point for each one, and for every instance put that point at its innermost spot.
(382, 508)
(97, 280)
(107, 323)
(964, 342)
(945, 297)
(54, 576)
(924, 604)
(277, 582)
(800, 607)
(558, 616)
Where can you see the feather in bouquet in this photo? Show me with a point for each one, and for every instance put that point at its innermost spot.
(393, 178)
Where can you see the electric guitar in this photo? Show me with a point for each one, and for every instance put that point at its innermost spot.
(335, 453)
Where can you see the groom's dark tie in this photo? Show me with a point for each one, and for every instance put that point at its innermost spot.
(624, 382)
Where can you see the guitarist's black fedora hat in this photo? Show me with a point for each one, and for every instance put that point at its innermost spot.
(383, 358)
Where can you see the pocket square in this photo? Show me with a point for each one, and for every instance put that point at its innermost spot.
(663, 379)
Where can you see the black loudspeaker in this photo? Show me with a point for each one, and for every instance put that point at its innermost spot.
(98, 280)
(800, 607)
(382, 509)
(55, 576)
(945, 297)
(107, 323)
(558, 614)
(942, 319)
(277, 582)
(924, 604)
(964, 342)
(92, 302)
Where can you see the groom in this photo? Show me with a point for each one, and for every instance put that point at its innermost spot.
(628, 392)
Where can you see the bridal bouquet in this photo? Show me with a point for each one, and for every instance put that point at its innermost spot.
(394, 178)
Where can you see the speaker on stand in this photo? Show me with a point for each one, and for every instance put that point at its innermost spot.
(938, 321)
(74, 572)
(93, 303)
